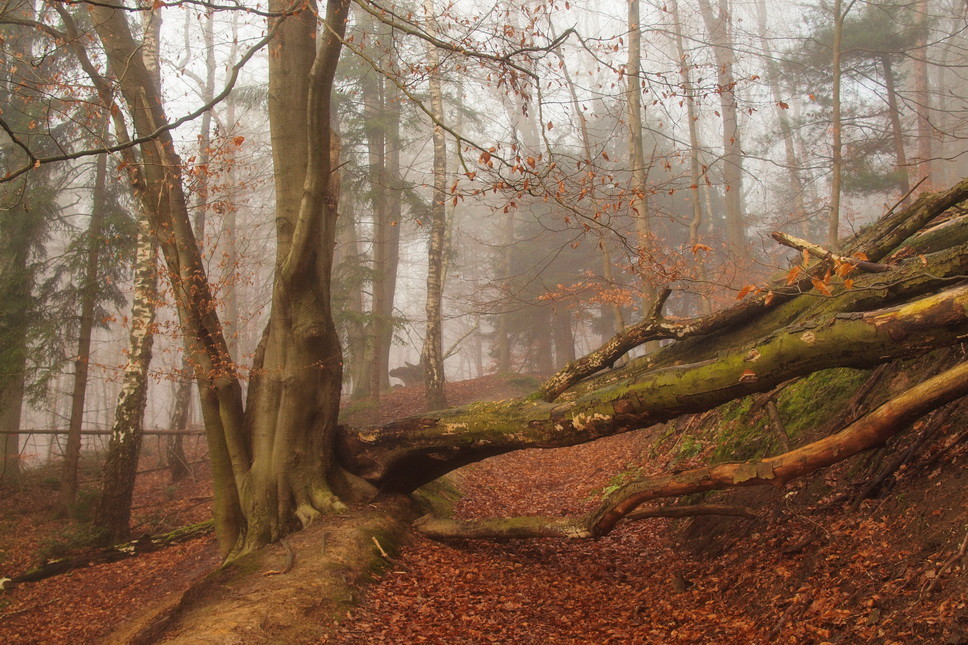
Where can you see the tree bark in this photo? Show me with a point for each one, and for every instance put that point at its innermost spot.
(433, 350)
(922, 94)
(833, 216)
(720, 34)
(895, 116)
(786, 131)
(639, 189)
(113, 512)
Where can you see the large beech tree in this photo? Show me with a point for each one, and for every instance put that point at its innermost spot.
(278, 456)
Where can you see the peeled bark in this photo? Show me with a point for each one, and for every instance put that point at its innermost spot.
(433, 350)
(113, 512)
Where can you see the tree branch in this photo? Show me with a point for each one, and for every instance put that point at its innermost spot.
(407, 453)
(36, 162)
(870, 431)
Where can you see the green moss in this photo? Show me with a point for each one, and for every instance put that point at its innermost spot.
(438, 497)
(814, 399)
(71, 538)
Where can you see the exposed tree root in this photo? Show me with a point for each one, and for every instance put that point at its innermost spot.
(870, 431)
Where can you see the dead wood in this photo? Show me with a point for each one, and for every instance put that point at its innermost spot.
(145, 544)
(871, 430)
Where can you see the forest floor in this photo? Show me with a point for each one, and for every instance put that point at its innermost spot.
(809, 570)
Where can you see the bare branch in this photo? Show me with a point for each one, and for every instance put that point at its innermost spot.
(218, 98)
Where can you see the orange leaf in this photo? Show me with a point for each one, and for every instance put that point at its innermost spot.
(696, 248)
(792, 275)
(238, 140)
(783, 106)
(745, 291)
(819, 285)
(860, 256)
(849, 283)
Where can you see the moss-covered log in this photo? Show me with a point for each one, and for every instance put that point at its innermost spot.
(870, 431)
(409, 452)
(886, 236)
(113, 553)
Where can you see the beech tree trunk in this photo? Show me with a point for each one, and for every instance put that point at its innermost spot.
(751, 347)
(639, 189)
(836, 171)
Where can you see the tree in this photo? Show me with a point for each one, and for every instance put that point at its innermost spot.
(279, 457)
(432, 355)
(719, 27)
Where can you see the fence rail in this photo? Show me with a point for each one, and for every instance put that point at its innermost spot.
(105, 433)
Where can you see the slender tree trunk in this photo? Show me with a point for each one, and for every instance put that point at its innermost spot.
(639, 190)
(833, 218)
(178, 468)
(391, 255)
(923, 96)
(503, 339)
(618, 319)
(695, 224)
(895, 116)
(113, 512)
(786, 131)
(11, 404)
(433, 351)
(564, 336)
(720, 33)
(68, 483)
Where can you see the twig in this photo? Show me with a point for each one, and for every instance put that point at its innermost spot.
(794, 607)
(388, 557)
(960, 553)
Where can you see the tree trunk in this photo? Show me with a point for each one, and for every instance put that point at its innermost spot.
(433, 350)
(113, 512)
(639, 189)
(833, 217)
(870, 431)
(895, 116)
(720, 34)
(68, 483)
(786, 131)
(407, 453)
(181, 408)
(564, 337)
(922, 94)
(11, 404)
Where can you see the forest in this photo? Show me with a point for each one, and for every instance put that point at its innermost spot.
(546, 321)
